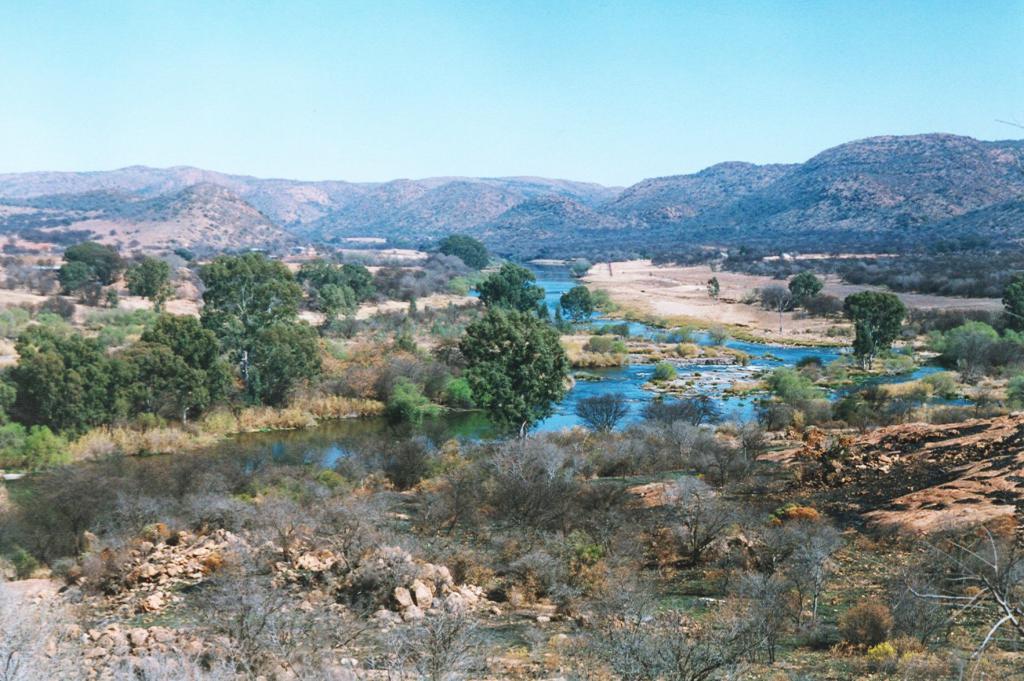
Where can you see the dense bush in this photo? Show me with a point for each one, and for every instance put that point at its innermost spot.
(866, 624)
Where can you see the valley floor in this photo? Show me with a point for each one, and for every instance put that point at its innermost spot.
(678, 295)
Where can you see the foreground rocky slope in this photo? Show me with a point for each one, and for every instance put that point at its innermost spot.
(923, 478)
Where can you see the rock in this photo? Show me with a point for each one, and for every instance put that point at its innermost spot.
(454, 603)
(385, 616)
(402, 597)
(412, 613)
(138, 637)
(444, 576)
(145, 548)
(468, 595)
(94, 653)
(161, 634)
(423, 594)
(313, 562)
(153, 602)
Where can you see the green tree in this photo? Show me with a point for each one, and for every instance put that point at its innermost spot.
(805, 286)
(74, 277)
(467, 249)
(577, 303)
(359, 279)
(197, 347)
(511, 287)
(714, 288)
(283, 355)
(1013, 303)
(62, 380)
(43, 449)
(516, 367)
(246, 297)
(877, 318)
(154, 380)
(34, 448)
(334, 300)
(104, 260)
(150, 278)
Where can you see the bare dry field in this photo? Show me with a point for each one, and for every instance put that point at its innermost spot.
(679, 295)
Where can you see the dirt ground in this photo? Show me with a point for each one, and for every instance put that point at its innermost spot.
(679, 295)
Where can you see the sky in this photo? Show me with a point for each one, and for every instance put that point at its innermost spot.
(599, 91)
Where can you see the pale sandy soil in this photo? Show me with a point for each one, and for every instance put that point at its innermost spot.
(438, 300)
(679, 295)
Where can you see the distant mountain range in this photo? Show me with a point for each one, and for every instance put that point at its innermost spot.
(880, 192)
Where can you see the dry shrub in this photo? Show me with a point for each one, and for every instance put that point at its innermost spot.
(268, 418)
(213, 562)
(925, 667)
(866, 624)
(104, 441)
(219, 422)
(791, 512)
(470, 567)
(337, 407)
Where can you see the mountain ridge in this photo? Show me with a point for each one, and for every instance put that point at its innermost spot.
(874, 189)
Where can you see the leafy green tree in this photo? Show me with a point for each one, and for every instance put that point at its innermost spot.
(516, 367)
(197, 347)
(1013, 303)
(577, 303)
(33, 448)
(714, 288)
(62, 380)
(663, 371)
(283, 355)
(408, 403)
(154, 380)
(580, 267)
(334, 300)
(467, 249)
(104, 260)
(511, 287)
(151, 278)
(877, 318)
(75, 276)
(246, 297)
(805, 286)
(319, 274)
(359, 279)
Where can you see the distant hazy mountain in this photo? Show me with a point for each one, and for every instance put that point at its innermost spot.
(878, 191)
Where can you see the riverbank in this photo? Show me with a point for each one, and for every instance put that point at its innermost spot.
(669, 295)
(218, 426)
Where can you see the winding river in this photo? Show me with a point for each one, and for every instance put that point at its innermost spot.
(329, 442)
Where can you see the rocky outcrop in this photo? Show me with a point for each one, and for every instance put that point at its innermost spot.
(400, 586)
(922, 477)
(152, 572)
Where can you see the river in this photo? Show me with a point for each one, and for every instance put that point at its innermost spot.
(327, 443)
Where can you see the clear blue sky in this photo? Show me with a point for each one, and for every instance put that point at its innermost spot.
(609, 92)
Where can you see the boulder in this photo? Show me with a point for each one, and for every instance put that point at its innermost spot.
(138, 637)
(402, 597)
(423, 594)
(454, 603)
(412, 613)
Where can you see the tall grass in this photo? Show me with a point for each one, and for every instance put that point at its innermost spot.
(211, 428)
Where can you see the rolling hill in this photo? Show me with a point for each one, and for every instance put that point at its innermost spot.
(878, 192)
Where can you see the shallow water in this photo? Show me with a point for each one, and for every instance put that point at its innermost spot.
(326, 444)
